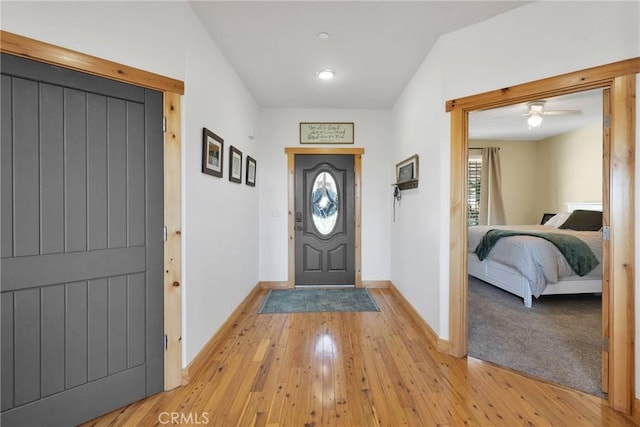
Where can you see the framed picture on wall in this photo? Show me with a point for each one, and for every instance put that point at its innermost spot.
(235, 164)
(407, 173)
(326, 133)
(212, 153)
(251, 171)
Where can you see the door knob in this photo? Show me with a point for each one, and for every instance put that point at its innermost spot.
(298, 216)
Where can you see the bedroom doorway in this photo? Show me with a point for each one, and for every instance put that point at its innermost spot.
(619, 202)
(545, 169)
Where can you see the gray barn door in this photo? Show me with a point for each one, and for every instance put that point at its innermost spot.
(81, 227)
(325, 221)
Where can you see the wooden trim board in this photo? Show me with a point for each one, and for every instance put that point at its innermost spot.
(173, 244)
(172, 89)
(431, 336)
(291, 208)
(590, 78)
(323, 150)
(606, 250)
(376, 284)
(620, 77)
(67, 58)
(622, 244)
(222, 334)
(274, 285)
(291, 170)
(458, 241)
(371, 284)
(357, 168)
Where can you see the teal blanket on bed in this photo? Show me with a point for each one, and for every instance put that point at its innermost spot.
(578, 254)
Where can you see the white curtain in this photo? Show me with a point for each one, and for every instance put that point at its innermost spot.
(491, 206)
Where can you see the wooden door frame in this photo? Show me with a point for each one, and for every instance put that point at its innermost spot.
(291, 166)
(172, 90)
(620, 77)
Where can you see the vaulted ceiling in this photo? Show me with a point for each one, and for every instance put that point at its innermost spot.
(373, 47)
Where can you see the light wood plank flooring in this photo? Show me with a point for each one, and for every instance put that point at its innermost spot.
(353, 369)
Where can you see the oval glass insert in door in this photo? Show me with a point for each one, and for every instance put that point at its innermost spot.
(324, 203)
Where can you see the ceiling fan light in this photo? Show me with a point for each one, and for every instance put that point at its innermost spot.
(534, 120)
(325, 74)
(536, 107)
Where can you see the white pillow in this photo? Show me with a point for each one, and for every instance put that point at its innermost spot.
(557, 220)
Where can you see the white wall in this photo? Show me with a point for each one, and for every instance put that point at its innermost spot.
(220, 221)
(535, 41)
(279, 128)
(220, 225)
(538, 40)
(132, 33)
(419, 230)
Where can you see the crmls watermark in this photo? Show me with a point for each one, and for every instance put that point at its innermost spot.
(182, 418)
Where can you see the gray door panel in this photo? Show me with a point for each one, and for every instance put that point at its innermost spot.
(7, 361)
(100, 396)
(26, 191)
(53, 329)
(154, 197)
(325, 256)
(45, 73)
(82, 253)
(97, 211)
(6, 172)
(52, 140)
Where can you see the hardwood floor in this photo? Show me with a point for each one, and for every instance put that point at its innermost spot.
(353, 369)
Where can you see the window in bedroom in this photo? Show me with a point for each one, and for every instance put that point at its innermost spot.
(473, 186)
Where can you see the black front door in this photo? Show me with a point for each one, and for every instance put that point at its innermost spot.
(325, 224)
(81, 223)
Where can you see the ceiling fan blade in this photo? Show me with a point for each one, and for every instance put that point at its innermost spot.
(506, 116)
(561, 112)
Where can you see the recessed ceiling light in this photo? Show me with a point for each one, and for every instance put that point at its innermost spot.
(323, 35)
(325, 74)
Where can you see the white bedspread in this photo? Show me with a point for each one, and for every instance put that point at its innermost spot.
(536, 259)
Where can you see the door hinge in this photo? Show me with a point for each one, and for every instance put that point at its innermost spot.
(164, 124)
(164, 233)
(605, 344)
(606, 122)
(605, 233)
(166, 342)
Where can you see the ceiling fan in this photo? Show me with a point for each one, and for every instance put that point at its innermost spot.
(537, 112)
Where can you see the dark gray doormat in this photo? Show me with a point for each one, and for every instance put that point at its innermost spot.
(317, 300)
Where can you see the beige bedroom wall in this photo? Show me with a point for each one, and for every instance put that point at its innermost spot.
(570, 168)
(542, 176)
(519, 179)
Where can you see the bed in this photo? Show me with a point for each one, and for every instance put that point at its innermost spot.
(529, 266)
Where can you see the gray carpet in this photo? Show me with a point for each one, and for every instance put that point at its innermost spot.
(557, 339)
(318, 300)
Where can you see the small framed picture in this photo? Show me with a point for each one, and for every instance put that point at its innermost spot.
(212, 153)
(326, 133)
(251, 171)
(407, 173)
(235, 164)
